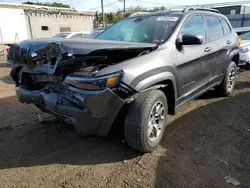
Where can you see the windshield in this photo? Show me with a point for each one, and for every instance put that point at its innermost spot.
(244, 35)
(144, 29)
(61, 35)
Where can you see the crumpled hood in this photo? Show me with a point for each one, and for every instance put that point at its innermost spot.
(52, 51)
(82, 46)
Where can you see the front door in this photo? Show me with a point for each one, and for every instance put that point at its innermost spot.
(193, 70)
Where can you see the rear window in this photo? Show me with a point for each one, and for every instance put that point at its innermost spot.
(214, 28)
(225, 26)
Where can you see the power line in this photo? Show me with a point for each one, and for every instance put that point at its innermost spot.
(208, 4)
(104, 5)
(153, 2)
(114, 6)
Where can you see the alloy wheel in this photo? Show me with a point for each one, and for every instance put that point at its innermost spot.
(156, 121)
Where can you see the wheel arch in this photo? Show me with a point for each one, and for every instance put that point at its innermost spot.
(168, 87)
(235, 56)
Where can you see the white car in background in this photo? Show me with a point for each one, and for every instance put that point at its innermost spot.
(244, 34)
(73, 35)
(94, 33)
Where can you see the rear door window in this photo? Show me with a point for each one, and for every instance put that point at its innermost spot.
(213, 27)
(194, 25)
(225, 26)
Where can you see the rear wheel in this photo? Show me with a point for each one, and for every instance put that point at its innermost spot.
(227, 85)
(146, 121)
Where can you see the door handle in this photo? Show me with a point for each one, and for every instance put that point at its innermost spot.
(229, 42)
(207, 49)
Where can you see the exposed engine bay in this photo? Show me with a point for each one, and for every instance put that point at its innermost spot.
(42, 62)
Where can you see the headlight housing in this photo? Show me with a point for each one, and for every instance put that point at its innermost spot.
(94, 83)
(244, 49)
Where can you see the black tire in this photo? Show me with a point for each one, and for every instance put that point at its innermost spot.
(224, 89)
(136, 122)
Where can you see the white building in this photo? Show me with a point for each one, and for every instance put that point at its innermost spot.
(19, 22)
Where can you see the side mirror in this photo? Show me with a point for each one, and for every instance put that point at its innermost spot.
(188, 39)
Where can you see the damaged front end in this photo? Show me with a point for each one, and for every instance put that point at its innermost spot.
(60, 78)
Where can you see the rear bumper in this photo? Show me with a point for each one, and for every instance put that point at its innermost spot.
(91, 112)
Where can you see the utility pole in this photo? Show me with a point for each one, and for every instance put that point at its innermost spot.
(1, 37)
(124, 9)
(103, 19)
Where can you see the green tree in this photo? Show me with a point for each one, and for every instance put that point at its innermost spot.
(115, 17)
(54, 4)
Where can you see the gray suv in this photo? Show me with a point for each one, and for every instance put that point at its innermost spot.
(140, 69)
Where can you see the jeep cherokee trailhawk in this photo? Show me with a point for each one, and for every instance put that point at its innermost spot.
(151, 63)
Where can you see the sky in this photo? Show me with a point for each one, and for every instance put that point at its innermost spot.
(117, 5)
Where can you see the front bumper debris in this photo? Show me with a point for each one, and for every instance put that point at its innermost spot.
(244, 58)
(91, 112)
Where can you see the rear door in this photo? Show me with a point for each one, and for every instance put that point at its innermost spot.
(193, 70)
(230, 41)
(219, 42)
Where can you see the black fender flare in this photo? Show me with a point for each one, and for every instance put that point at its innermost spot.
(156, 81)
(234, 53)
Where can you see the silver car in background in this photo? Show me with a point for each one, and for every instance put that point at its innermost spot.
(72, 35)
(244, 34)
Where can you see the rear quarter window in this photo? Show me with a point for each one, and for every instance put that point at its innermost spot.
(213, 27)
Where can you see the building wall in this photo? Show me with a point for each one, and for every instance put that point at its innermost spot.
(239, 20)
(54, 22)
(12, 25)
(229, 10)
(245, 10)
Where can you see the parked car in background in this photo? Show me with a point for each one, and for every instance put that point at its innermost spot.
(99, 28)
(94, 33)
(136, 74)
(61, 35)
(244, 34)
(73, 35)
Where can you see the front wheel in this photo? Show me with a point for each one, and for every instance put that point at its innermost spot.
(146, 121)
(227, 85)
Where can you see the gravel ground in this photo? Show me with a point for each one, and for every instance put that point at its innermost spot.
(207, 144)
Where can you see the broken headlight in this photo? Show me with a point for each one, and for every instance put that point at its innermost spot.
(94, 83)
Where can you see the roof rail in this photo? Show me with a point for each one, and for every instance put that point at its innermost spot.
(200, 8)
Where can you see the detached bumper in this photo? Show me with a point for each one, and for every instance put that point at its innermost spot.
(91, 112)
(244, 58)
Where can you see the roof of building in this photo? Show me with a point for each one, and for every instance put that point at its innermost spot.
(220, 6)
(213, 5)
